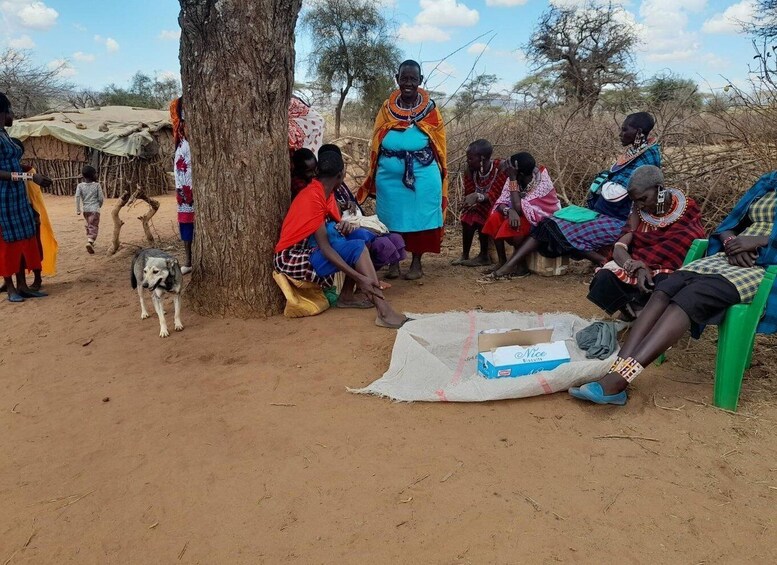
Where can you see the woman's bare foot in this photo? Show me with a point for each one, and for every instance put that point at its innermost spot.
(459, 261)
(391, 320)
(414, 273)
(393, 272)
(479, 261)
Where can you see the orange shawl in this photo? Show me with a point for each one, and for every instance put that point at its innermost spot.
(431, 124)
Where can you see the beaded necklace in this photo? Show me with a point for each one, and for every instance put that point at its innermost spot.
(484, 187)
(679, 203)
(414, 114)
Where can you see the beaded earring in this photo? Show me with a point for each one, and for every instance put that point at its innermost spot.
(661, 200)
(639, 139)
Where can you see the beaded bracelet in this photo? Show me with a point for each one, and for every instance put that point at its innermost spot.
(21, 176)
(514, 186)
(621, 244)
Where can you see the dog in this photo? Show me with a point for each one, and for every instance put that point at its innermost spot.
(158, 272)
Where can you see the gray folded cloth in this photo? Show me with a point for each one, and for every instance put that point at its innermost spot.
(599, 340)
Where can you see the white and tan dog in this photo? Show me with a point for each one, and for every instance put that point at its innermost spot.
(158, 272)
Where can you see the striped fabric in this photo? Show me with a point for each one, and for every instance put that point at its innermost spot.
(294, 262)
(593, 235)
(767, 255)
(17, 221)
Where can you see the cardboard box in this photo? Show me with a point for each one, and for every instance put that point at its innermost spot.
(547, 267)
(515, 353)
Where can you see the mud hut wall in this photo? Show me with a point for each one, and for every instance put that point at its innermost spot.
(63, 162)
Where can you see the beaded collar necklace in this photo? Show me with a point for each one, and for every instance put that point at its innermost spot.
(679, 203)
(417, 112)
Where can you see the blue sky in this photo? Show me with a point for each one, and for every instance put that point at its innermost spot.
(106, 41)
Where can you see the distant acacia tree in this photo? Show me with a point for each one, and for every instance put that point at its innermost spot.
(32, 89)
(670, 88)
(144, 91)
(352, 47)
(583, 50)
(476, 92)
(537, 91)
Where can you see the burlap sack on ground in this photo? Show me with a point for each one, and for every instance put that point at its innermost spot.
(435, 359)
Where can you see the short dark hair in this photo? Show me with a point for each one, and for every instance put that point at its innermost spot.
(300, 157)
(482, 147)
(329, 148)
(330, 164)
(409, 63)
(89, 172)
(5, 104)
(524, 162)
(19, 143)
(642, 121)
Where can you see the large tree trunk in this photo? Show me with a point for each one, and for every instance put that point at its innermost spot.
(237, 66)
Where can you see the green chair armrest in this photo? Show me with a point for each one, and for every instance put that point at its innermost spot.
(697, 250)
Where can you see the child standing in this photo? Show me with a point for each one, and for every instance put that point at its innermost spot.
(90, 198)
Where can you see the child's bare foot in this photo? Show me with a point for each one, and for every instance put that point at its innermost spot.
(479, 261)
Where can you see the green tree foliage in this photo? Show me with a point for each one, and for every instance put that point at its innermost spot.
(474, 94)
(143, 91)
(583, 50)
(538, 91)
(669, 88)
(352, 48)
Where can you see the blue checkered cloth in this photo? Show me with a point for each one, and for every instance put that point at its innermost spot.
(17, 221)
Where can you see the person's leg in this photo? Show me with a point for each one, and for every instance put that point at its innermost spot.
(664, 333)
(13, 294)
(609, 293)
(482, 259)
(530, 245)
(385, 312)
(416, 269)
(89, 232)
(467, 235)
(187, 245)
(37, 281)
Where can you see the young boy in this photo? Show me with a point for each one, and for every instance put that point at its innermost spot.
(482, 185)
(90, 198)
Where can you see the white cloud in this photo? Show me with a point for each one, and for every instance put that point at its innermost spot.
(446, 13)
(731, 19)
(506, 3)
(664, 32)
(80, 27)
(716, 62)
(422, 33)
(478, 48)
(21, 42)
(63, 67)
(170, 34)
(110, 44)
(83, 57)
(28, 14)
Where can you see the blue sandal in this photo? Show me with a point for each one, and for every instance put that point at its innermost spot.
(15, 298)
(593, 392)
(32, 293)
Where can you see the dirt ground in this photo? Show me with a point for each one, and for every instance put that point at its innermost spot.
(236, 442)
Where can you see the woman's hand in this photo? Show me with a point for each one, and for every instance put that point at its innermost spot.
(632, 267)
(345, 228)
(370, 288)
(42, 180)
(514, 218)
(471, 199)
(741, 244)
(505, 166)
(644, 280)
(744, 259)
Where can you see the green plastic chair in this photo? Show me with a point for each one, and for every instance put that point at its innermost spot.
(736, 336)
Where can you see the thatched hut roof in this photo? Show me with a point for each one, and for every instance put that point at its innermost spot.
(115, 130)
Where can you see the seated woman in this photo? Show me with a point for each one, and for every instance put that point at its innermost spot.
(701, 292)
(527, 198)
(385, 248)
(483, 182)
(608, 201)
(303, 170)
(312, 246)
(657, 236)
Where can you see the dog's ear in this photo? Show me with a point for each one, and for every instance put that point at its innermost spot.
(171, 262)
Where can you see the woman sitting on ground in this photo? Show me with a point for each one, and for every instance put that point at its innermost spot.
(579, 234)
(657, 236)
(312, 245)
(701, 292)
(527, 197)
